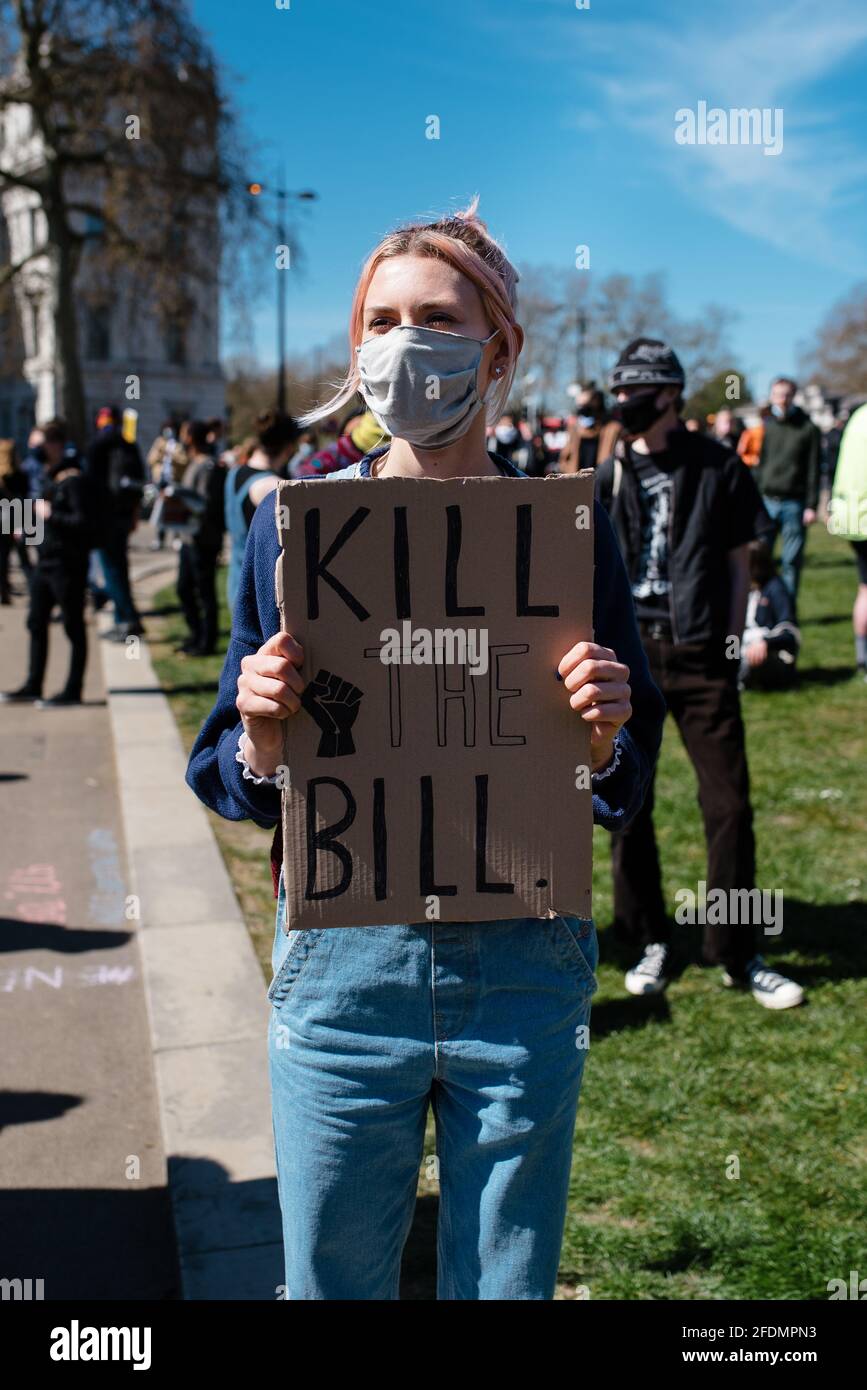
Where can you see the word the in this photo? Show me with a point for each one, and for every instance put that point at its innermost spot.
(739, 126)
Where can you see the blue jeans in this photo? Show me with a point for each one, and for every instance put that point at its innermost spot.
(788, 518)
(488, 1022)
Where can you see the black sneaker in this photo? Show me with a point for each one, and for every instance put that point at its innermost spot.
(26, 695)
(58, 701)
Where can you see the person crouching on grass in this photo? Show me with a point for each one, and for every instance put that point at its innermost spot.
(497, 1055)
(772, 638)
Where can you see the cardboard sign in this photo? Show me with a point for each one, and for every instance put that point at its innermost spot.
(436, 770)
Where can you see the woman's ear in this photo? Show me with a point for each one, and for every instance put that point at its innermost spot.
(500, 359)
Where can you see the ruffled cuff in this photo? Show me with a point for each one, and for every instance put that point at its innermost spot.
(247, 772)
(612, 766)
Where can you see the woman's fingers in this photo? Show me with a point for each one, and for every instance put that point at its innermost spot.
(279, 668)
(253, 687)
(596, 671)
(270, 683)
(584, 651)
(597, 695)
(283, 644)
(259, 707)
(614, 715)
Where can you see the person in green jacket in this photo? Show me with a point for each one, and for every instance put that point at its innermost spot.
(847, 517)
(788, 476)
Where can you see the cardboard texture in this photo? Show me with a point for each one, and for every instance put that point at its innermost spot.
(451, 783)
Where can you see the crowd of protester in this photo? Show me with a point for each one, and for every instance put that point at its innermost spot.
(697, 505)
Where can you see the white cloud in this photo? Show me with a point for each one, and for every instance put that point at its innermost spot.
(735, 56)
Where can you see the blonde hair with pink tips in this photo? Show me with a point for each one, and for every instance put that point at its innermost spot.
(463, 240)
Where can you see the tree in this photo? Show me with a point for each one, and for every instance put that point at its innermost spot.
(838, 358)
(569, 318)
(311, 377)
(129, 146)
(727, 389)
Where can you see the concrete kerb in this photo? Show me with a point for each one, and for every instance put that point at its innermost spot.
(206, 1000)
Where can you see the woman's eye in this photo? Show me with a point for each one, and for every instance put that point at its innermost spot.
(440, 318)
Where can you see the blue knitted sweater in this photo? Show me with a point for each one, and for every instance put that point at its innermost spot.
(217, 778)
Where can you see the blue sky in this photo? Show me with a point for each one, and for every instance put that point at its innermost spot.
(563, 120)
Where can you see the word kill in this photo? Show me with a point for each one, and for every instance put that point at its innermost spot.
(318, 572)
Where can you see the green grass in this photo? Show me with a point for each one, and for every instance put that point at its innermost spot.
(676, 1089)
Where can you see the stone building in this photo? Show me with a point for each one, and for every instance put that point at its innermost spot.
(175, 357)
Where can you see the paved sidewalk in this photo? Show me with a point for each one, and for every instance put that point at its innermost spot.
(206, 995)
(134, 1011)
(84, 1202)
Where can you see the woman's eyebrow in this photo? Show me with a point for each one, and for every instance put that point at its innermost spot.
(418, 308)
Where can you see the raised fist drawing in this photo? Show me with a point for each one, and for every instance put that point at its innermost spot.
(334, 704)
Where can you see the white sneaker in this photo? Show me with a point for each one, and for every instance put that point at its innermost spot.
(649, 975)
(768, 987)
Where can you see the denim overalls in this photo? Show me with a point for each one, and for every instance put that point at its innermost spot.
(487, 1021)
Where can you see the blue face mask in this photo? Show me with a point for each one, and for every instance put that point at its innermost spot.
(782, 412)
(422, 383)
(586, 421)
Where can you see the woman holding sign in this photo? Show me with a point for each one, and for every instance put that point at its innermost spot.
(487, 1021)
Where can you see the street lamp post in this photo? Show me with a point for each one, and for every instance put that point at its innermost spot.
(281, 193)
(582, 345)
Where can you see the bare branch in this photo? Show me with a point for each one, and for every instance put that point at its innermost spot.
(20, 181)
(8, 272)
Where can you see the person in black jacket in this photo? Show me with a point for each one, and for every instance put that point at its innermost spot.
(197, 568)
(59, 578)
(685, 510)
(116, 474)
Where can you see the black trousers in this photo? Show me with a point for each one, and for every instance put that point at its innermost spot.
(197, 592)
(700, 688)
(22, 549)
(58, 586)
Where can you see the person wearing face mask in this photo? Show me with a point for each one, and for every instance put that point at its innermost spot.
(685, 510)
(788, 477)
(452, 1015)
(592, 436)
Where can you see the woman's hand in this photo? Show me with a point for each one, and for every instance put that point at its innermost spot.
(269, 690)
(599, 686)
